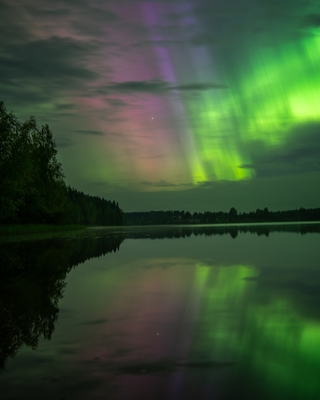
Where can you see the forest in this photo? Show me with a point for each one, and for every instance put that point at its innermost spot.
(32, 182)
(33, 189)
(220, 217)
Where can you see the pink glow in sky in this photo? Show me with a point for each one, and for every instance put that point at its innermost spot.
(170, 105)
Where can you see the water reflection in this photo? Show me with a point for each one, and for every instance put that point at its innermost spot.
(185, 231)
(32, 280)
(205, 317)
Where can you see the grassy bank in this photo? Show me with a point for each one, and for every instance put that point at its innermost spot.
(25, 229)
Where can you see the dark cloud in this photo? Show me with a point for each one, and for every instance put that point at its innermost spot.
(116, 103)
(12, 25)
(85, 17)
(16, 96)
(312, 20)
(64, 142)
(37, 64)
(199, 86)
(161, 184)
(42, 71)
(156, 87)
(309, 156)
(65, 107)
(53, 59)
(227, 24)
(299, 155)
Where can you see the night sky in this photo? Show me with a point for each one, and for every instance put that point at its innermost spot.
(173, 104)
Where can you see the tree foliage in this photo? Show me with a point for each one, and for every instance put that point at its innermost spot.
(93, 210)
(32, 186)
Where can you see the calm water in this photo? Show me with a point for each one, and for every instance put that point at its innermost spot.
(162, 313)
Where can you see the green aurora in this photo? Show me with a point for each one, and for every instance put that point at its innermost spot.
(276, 93)
(266, 333)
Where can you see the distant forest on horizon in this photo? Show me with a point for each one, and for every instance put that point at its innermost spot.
(33, 189)
(220, 217)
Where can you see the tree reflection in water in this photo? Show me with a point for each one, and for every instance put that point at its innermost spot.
(237, 315)
(32, 281)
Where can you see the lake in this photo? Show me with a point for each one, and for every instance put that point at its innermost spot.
(162, 313)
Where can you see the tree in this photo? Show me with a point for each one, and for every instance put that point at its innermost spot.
(32, 187)
(14, 165)
(233, 215)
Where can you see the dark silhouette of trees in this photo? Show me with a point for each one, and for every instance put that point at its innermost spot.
(31, 179)
(220, 217)
(32, 186)
(93, 210)
(233, 215)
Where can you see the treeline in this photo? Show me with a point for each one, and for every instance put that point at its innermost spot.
(207, 217)
(93, 210)
(32, 185)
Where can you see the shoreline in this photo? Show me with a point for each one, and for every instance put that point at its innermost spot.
(36, 228)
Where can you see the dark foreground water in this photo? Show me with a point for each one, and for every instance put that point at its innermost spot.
(162, 313)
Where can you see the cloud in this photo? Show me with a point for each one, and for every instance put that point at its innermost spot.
(64, 142)
(44, 77)
(12, 26)
(164, 184)
(156, 87)
(42, 71)
(299, 155)
(157, 184)
(227, 23)
(151, 86)
(53, 59)
(199, 86)
(46, 56)
(116, 103)
(312, 20)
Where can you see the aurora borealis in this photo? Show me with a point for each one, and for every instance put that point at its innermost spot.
(190, 105)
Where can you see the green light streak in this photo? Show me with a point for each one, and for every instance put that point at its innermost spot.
(283, 349)
(221, 311)
(264, 336)
(277, 92)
